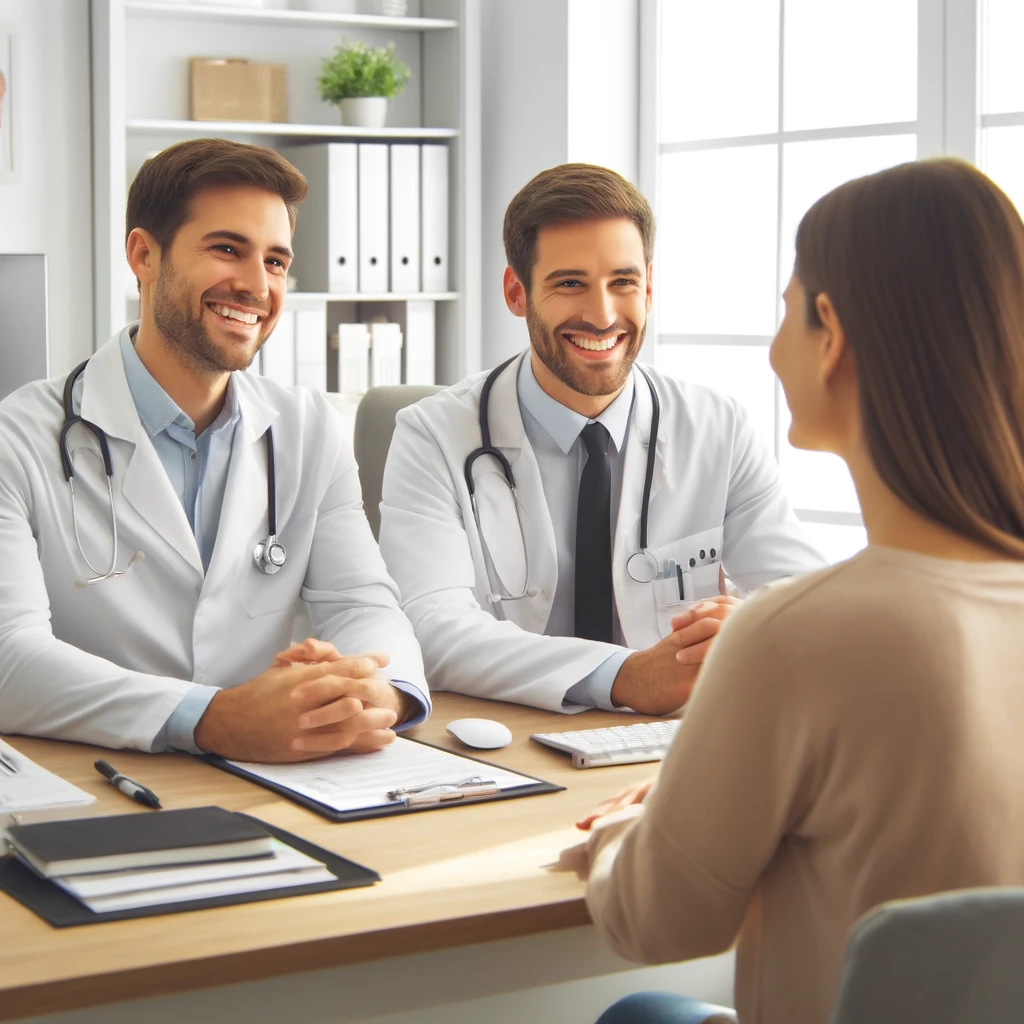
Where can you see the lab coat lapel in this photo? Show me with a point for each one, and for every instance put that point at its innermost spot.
(243, 516)
(509, 436)
(633, 600)
(107, 402)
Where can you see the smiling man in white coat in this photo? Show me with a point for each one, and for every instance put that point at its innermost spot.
(163, 512)
(561, 529)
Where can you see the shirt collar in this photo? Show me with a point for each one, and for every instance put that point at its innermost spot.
(156, 409)
(560, 422)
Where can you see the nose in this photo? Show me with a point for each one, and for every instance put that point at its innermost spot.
(600, 310)
(253, 278)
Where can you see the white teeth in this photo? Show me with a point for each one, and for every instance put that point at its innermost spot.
(236, 314)
(592, 344)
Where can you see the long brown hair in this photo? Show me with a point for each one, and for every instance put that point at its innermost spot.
(924, 264)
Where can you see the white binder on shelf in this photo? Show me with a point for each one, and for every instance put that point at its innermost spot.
(373, 217)
(405, 218)
(311, 348)
(385, 355)
(419, 354)
(326, 240)
(278, 352)
(353, 358)
(434, 217)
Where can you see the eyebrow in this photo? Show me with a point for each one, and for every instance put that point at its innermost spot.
(234, 236)
(621, 272)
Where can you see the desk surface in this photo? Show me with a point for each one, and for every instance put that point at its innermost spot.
(451, 877)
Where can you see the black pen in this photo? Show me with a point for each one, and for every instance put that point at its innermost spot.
(131, 789)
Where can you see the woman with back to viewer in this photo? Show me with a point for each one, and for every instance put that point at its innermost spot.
(855, 735)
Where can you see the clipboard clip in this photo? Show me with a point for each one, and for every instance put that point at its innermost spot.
(443, 792)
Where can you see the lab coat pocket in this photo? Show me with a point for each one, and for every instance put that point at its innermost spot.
(699, 560)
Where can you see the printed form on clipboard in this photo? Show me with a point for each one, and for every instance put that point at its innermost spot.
(405, 775)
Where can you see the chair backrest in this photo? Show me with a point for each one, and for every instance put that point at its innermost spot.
(375, 423)
(954, 958)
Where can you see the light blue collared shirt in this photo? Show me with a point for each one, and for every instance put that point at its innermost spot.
(554, 432)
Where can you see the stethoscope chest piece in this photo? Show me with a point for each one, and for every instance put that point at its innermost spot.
(642, 567)
(269, 555)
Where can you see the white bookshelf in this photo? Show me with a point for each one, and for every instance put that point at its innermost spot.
(141, 104)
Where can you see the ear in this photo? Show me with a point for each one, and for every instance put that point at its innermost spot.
(515, 293)
(143, 254)
(833, 344)
(650, 286)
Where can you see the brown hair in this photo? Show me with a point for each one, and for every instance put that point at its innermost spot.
(159, 196)
(570, 192)
(924, 264)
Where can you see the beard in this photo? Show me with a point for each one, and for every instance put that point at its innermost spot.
(178, 316)
(595, 381)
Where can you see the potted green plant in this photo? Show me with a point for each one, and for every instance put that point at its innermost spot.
(361, 79)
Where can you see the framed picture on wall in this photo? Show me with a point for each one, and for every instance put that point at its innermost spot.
(8, 98)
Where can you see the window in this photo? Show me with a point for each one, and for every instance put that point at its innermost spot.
(758, 108)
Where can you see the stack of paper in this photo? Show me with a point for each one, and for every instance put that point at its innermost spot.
(28, 792)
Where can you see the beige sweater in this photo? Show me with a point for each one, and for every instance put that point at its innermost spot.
(857, 735)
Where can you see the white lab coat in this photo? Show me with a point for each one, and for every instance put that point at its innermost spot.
(108, 663)
(715, 485)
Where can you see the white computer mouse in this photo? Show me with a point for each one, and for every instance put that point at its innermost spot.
(480, 732)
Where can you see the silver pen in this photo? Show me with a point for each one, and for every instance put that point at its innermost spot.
(449, 794)
(8, 763)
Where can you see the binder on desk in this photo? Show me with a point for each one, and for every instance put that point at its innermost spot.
(373, 217)
(62, 910)
(434, 203)
(404, 777)
(327, 232)
(405, 218)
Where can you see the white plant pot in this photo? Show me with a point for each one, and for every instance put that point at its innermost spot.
(364, 111)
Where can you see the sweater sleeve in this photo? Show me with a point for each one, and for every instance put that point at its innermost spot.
(676, 881)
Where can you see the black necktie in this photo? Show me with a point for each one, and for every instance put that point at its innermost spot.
(594, 539)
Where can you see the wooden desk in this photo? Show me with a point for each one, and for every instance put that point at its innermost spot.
(452, 877)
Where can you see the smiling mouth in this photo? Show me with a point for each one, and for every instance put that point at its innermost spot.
(592, 343)
(234, 315)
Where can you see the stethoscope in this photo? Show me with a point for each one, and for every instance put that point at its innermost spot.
(269, 554)
(642, 565)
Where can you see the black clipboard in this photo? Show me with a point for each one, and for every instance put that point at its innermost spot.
(60, 909)
(536, 787)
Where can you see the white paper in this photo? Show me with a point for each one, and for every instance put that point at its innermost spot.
(209, 890)
(32, 786)
(110, 883)
(350, 782)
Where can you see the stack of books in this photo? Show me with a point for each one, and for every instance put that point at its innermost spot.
(154, 859)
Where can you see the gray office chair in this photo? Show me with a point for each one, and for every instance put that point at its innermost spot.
(948, 959)
(375, 423)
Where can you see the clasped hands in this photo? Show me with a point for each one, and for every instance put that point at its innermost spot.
(312, 701)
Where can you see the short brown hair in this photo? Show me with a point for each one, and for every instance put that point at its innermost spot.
(924, 264)
(570, 192)
(159, 196)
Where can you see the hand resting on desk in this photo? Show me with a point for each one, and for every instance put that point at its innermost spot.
(300, 711)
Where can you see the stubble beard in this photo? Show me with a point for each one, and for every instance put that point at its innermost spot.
(595, 383)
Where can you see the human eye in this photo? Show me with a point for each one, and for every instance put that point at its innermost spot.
(570, 282)
(225, 248)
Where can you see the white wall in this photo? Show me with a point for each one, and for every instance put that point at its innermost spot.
(48, 207)
(560, 83)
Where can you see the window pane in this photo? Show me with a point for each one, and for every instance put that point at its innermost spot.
(810, 169)
(719, 68)
(716, 255)
(1002, 60)
(849, 62)
(1003, 161)
(740, 371)
(836, 543)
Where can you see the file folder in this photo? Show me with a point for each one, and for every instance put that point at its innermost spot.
(405, 218)
(62, 910)
(327, 230)
(278, 352)
(385, 355)
(434, 218)
(311, 348)
(353, 358)
(419, 355)
(373, 217)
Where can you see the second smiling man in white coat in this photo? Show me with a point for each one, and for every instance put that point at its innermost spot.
(560, 567)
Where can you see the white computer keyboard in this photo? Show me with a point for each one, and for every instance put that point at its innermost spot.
(620, 744)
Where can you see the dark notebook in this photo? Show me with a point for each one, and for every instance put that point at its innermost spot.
(188, 836)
